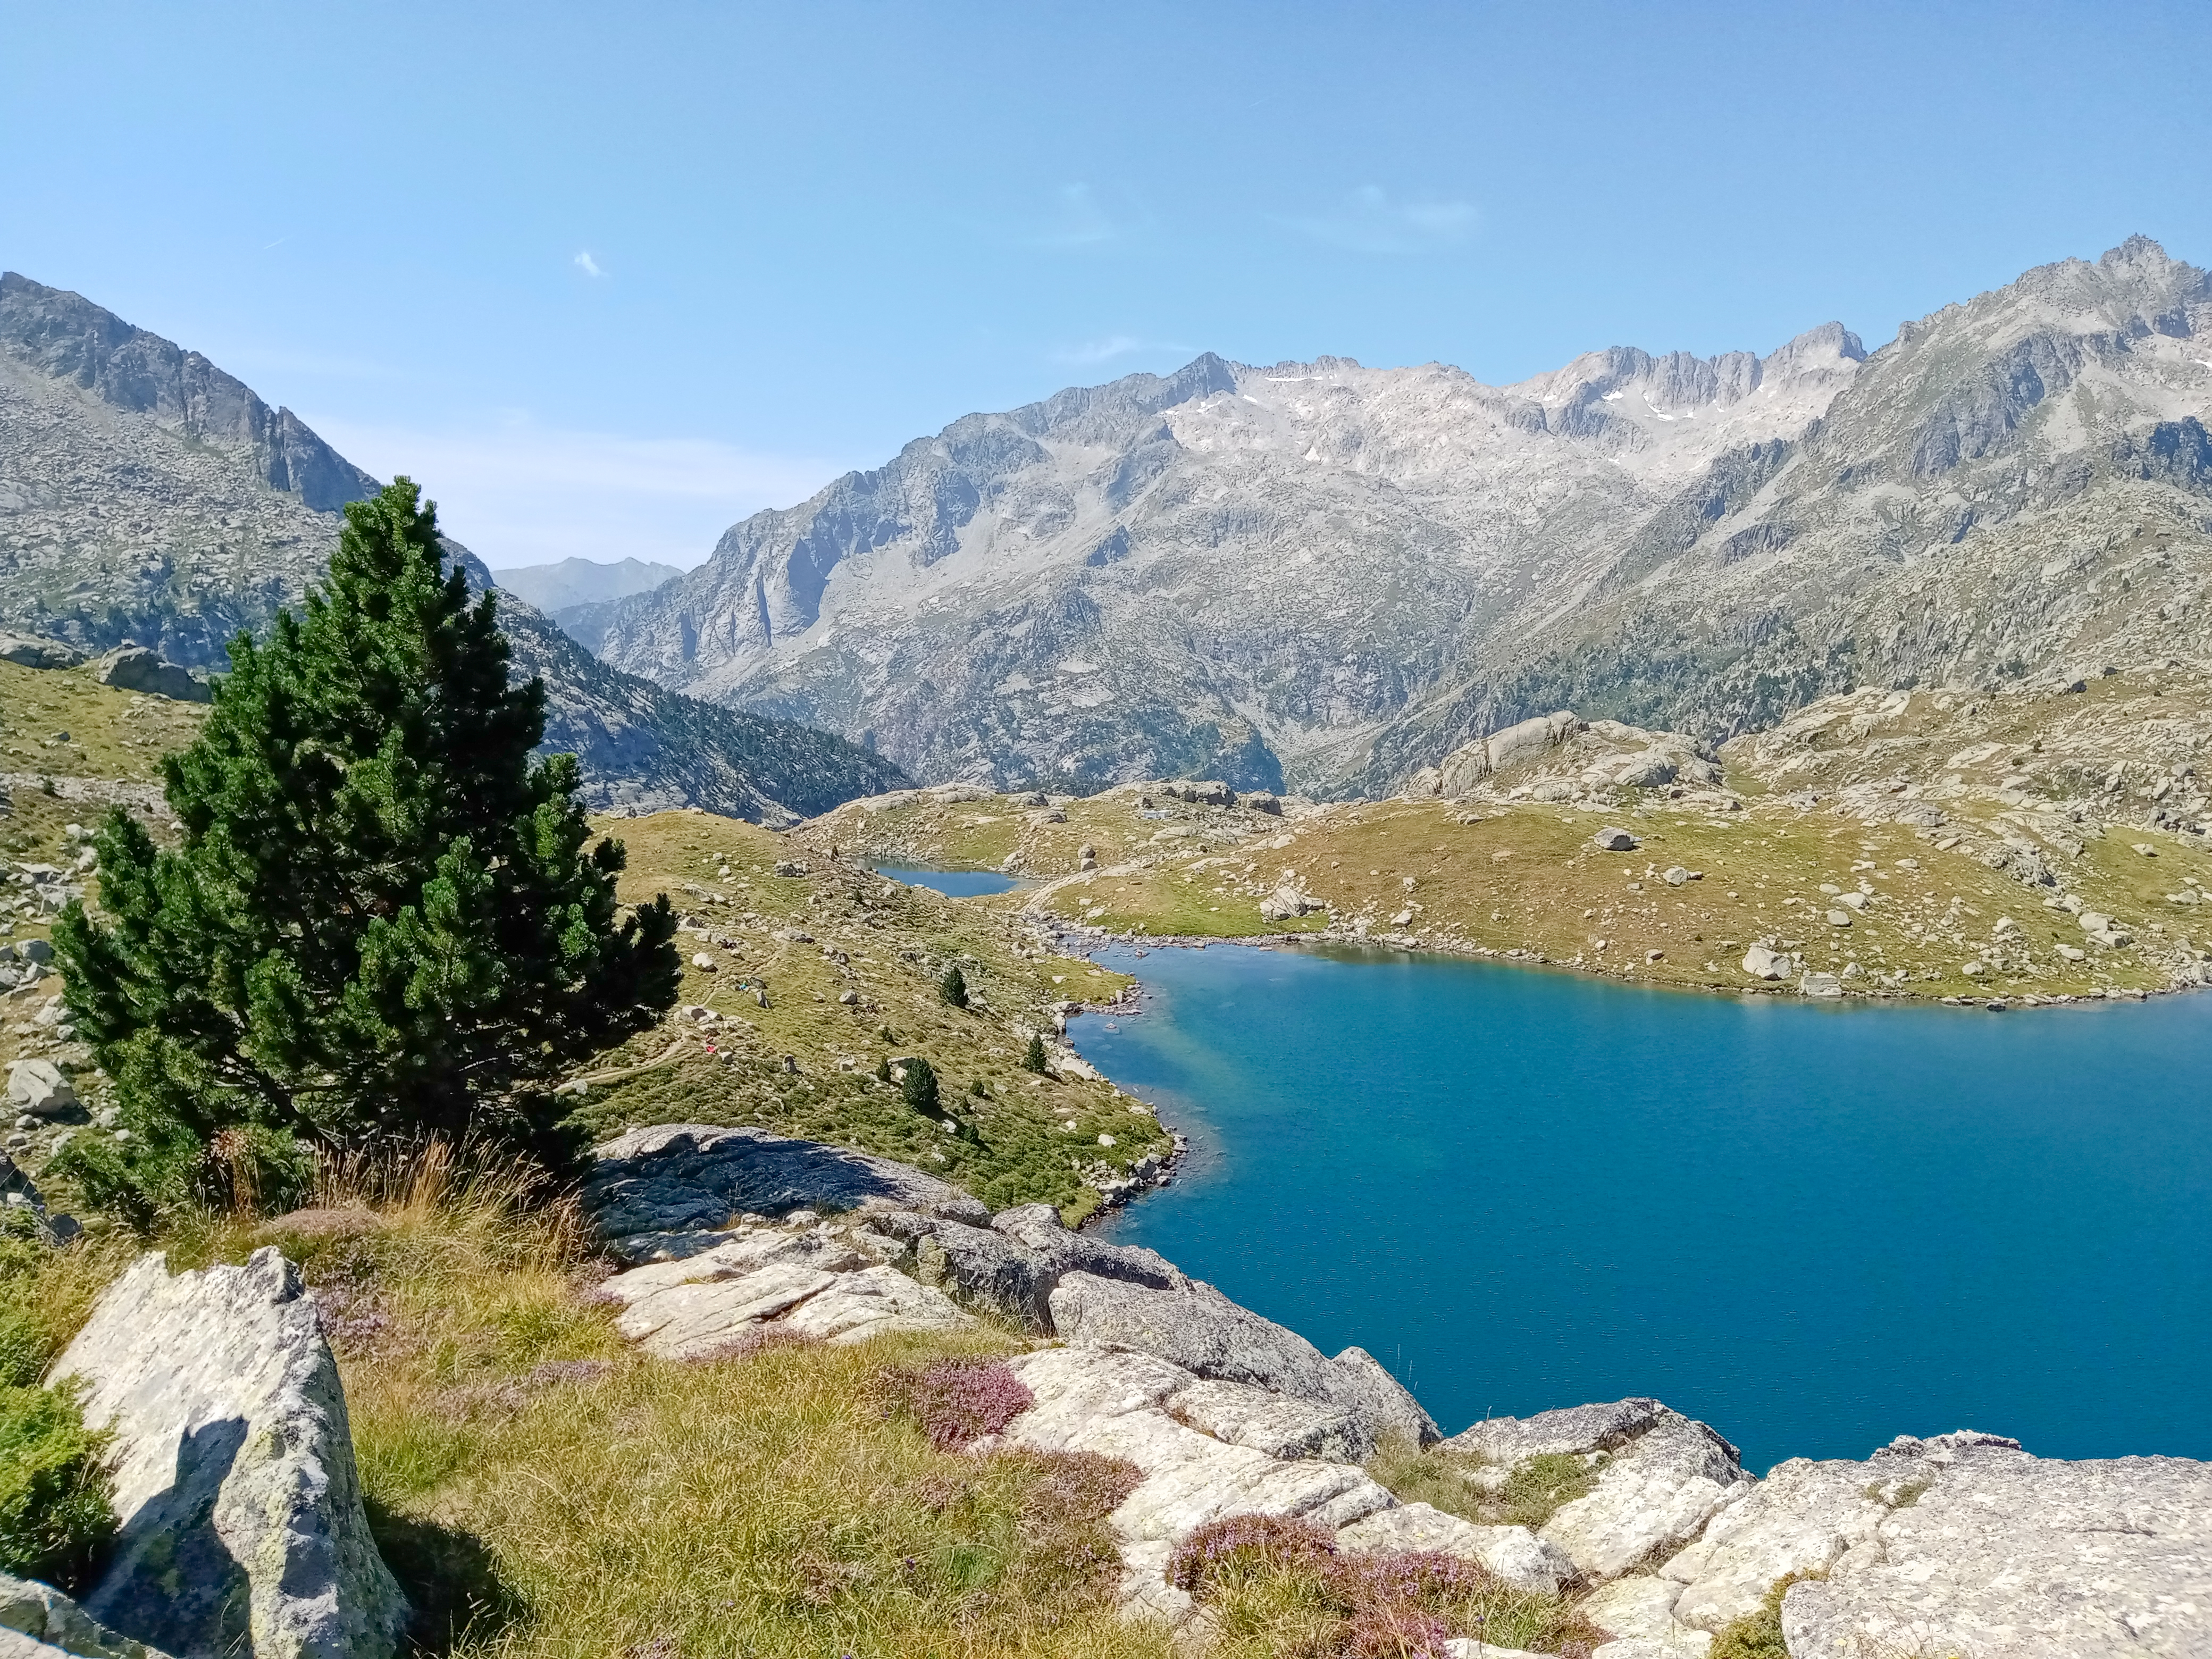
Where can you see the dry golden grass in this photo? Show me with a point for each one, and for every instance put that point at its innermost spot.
(542, 1489)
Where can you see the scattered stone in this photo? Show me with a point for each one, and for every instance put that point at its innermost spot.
(703, 962)
(1611, 840)
(1839, 918)
(242, 1527)
(37, 1086)
(1762, 961)
(1821, 985)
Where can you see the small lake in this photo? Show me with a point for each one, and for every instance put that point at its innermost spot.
(1814, 1226)
(955, 884)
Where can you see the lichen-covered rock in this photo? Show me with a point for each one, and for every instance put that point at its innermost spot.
(1988, 1551)
(1800, 1519)
(1656, 1493)
(242, 1527)
(1641, 1608)
(1204, 1332)
(37, 1622)
(679, 1175)
(1271, 1423)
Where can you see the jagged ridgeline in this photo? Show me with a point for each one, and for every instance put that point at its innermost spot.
(146, 495)
(1328, 576)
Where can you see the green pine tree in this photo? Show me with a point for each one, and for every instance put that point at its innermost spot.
(953, 987)
(1033, 1061)
(385, 918)
(920, 1086)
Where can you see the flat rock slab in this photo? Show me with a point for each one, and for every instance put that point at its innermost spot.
(1641, 1608)
(814, 1283)
(679, 1176)
(242, 1527)
(2007, 1556)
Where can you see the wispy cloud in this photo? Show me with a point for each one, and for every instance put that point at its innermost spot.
(1084, 216)
(1371, 221)
(1092, 352)
(588, 265)
(518, 493)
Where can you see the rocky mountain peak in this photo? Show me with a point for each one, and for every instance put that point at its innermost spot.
(61, 336)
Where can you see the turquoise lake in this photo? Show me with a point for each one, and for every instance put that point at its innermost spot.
(1815, 1227)
(955, 884)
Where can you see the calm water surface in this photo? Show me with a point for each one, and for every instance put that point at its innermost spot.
(1815, 1227)
(957, 883)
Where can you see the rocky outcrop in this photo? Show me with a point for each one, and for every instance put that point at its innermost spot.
(695, 1176)
(1197, 1328)
(240, 1512)
(1662, 1476)
(1987, 1550)
(1962, 1543)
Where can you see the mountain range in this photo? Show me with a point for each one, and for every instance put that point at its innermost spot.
(1326, 577)
(147, 495)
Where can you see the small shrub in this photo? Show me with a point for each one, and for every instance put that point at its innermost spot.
(953, 987)
(920, 1088)
(1239, 1548)
(55, 1515)
(1033, 1059)
(957, 1401)
(1758, 1634)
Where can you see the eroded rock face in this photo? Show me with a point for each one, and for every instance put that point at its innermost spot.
(1204, 1332)
(2002, 1555)
(242, 1527)
(693, 1175)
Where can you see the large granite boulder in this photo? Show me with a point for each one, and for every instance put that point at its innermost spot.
(1662, 1477)
(676, 1177)
(136, 668)
(34, 651)
(37, 1622)
(242, 1527)
(1202, 1331)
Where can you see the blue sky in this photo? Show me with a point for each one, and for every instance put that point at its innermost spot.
(606, 278)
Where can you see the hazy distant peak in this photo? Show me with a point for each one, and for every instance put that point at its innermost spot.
(582, 582)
